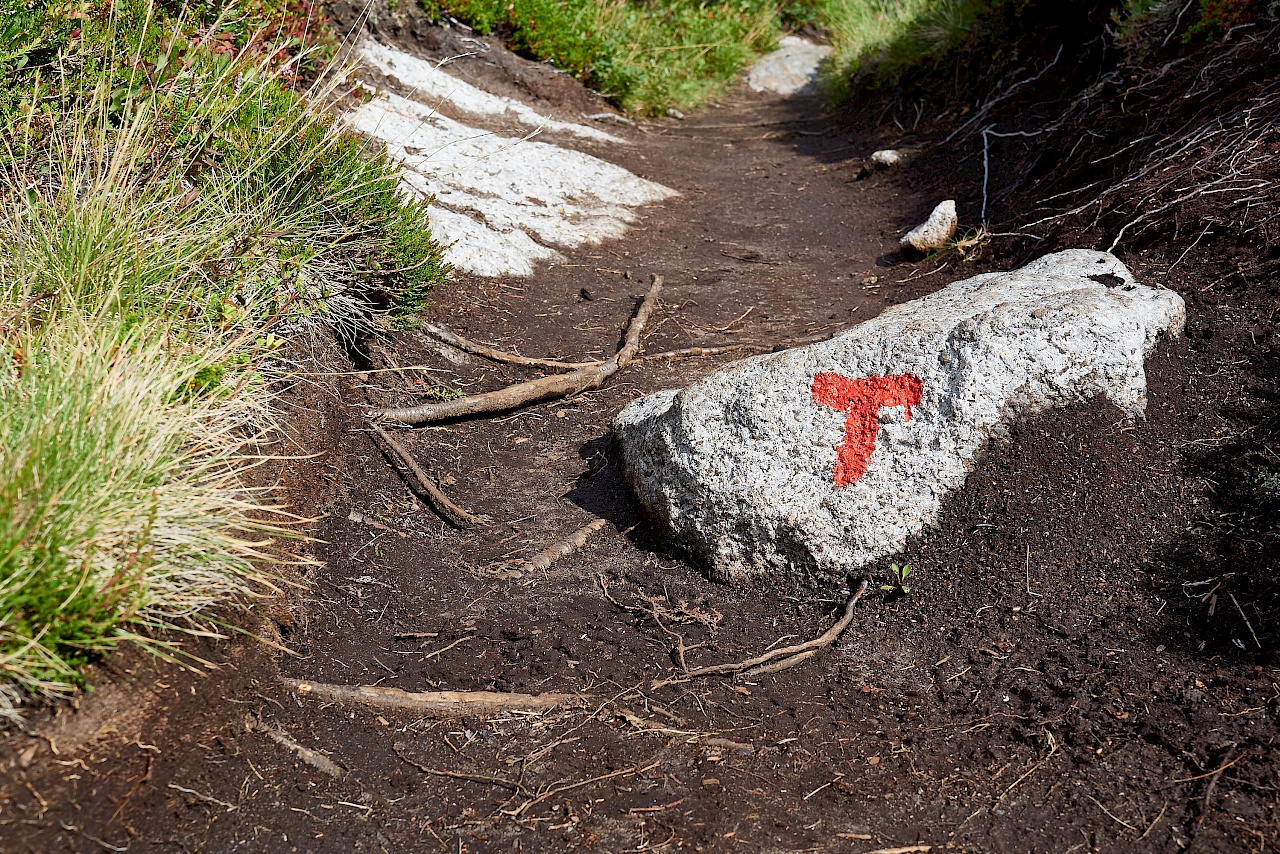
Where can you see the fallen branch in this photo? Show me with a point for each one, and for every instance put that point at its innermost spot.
(451, 512)
(452, 338)
(431, 704)
(200, 796)
(785, 657)
(544, 388)
(570, 544)
(24, 305)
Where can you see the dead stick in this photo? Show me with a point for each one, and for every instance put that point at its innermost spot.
(452, 513)
(26, 304)
(459, 775)
(314, 758)
(784, 664)
(450, 337)
(432, 704)
(570, 544)
(793, 655)
(560, 385)
(559, 789)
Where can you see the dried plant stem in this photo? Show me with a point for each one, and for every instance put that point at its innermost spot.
(314, 758)
(784, 657)
(694, 352)
(567, 546)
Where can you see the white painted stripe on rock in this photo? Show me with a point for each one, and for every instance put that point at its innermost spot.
(432, 84)
(511, 190)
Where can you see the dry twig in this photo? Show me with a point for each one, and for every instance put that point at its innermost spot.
(570, 544)
(459, 775)
(24, 305)
(451, 512)
(785, 657)
(551, 793)
(544, 388)
(694, 352)
(431, 704)
(314, 758)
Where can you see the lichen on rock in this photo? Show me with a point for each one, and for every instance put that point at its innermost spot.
(768, 466)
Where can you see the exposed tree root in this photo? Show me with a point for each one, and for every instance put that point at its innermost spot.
(544, 388)
(783, 658)
(452, 513)
(552, 792)
(567, 546)
(459, 775)
(314, 758)
(694, 352)
(431, 704)
(448, 336)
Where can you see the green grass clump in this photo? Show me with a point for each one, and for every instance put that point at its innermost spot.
(646, 56)
(168, 210)
(863, 31)
(122, 447)
(123, 508)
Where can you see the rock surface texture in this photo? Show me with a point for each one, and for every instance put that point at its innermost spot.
(813, 462)
(934, 232)
(790, 70)
(503, 203)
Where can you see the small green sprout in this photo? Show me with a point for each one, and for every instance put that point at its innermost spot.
(900, 574)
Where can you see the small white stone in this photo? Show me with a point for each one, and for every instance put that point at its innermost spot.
(934, 232)
(740, 467)
(886, 157)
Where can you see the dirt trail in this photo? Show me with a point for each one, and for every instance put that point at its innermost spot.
(1027, 695)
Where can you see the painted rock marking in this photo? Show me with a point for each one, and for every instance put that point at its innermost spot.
(862, 399)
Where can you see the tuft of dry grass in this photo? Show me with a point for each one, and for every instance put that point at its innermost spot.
(158, 234)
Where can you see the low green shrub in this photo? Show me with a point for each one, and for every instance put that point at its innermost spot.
(647, 57)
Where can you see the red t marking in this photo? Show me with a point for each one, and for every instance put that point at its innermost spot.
(862, 399)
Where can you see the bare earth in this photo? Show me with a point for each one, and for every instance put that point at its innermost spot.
(1048, 684)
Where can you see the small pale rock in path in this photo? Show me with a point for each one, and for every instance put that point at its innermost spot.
(813, 462)
(886, 157)
(934, 232)
(792, 69)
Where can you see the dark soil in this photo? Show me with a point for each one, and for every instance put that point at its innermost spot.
(1084, 662)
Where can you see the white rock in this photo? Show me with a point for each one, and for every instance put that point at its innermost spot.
(430, 83)
(934, 232)
(886, 157)
(792, 69)
(503, 204)
(745, 466)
